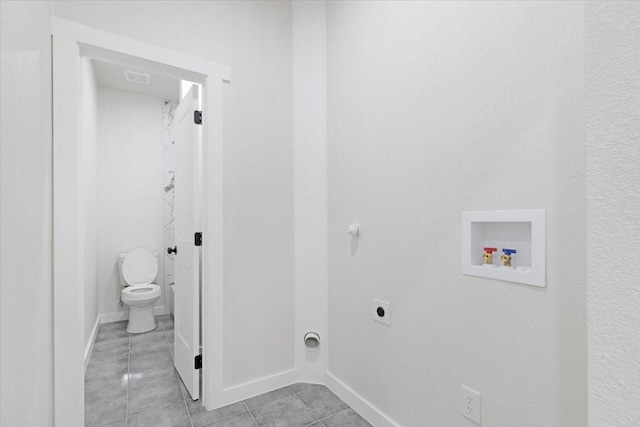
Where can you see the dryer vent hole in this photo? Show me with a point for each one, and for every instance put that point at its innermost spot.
(311, 340)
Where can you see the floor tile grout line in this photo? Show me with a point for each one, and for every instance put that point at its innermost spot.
(345, 409)
(318, 419)
(305, 405)
(186, 407)
(302, 391)
(246, 411)
(165, 403)
(166, 336)
(126, 408)
(313, 423)
(184, 399)
(250, 413)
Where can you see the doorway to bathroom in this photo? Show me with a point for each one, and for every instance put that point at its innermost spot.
(142, 185)
(199, 199)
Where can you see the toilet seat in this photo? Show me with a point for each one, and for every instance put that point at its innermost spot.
(140, 292)
(139, 267)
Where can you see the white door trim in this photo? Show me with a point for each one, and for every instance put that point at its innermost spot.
(71, 42)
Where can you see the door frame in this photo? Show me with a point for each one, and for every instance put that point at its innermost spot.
(70, 43)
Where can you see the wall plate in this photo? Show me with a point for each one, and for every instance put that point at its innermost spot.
(382, 311)
(520, 230)
(470, 405)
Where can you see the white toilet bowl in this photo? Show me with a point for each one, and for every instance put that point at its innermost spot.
(138, 269)
(140, 299)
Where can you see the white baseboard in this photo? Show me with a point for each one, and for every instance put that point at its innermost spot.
(89, 347)
(159, 311)
(253, 388)
(359, 404)
(124, 315)
(114, 317)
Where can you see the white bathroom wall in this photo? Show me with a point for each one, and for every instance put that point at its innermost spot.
(90, 197)
(26, 316)
(437, 108)
(254, 39)
(130, 186)
(310, 190)
(612, 91)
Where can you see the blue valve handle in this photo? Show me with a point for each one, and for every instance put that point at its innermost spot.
(509, 251)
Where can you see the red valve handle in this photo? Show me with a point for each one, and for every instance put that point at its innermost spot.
(490, 250)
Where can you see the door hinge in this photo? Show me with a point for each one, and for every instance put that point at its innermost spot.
(198, 238)
(197, 117)
(198, 362)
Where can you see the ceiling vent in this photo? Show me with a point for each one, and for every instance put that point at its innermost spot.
(136, 77)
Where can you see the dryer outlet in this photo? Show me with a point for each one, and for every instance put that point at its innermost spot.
(382, 311)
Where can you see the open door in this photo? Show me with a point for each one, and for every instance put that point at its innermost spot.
(187, 268)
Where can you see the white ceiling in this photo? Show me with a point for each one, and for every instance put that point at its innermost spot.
(112, 76)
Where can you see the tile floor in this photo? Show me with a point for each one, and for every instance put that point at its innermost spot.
(131, 381)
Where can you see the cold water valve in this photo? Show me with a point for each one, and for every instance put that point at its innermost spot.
(506, 257)
(488, 256)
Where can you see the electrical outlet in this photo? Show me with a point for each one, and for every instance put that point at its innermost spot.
(382, 311)
(471, 404)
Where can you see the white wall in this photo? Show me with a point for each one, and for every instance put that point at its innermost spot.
(130, 186)
(310, 191)
(90, 197)
(254, 39)
(535, 337)
(612, 61)
(25, 205)
(437, 108)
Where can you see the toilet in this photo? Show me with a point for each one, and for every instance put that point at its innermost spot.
(138, 269)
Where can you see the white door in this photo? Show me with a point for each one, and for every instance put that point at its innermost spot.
(187, 267)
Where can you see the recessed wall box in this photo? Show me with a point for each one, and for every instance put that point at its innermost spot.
(520, 233)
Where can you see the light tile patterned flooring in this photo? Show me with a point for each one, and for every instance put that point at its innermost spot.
(131, 382)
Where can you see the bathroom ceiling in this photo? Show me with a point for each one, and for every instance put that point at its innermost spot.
(113, 77)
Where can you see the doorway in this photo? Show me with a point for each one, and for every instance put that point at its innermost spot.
(141, 187)
(72, 43)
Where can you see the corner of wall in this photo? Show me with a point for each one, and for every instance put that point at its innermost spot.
(359, 404)
(612, 106)
(310, 187)
(25, 236)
